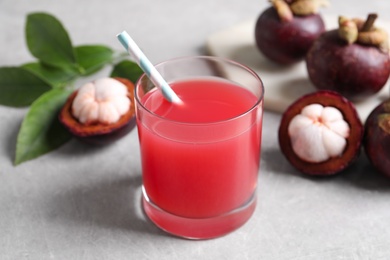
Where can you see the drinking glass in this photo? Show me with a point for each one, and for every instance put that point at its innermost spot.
(200, 177)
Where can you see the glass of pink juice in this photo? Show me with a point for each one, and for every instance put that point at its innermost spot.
(200, 159)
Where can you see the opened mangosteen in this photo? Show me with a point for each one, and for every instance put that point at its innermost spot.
(101, 111)
(321, 133)
(352, 60)
(285, 32)
(376, 140)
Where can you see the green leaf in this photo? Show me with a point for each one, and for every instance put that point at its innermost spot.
(48, 41)
(41, 131)
(127, 69)
(92, 58)
(19, 87)
(54, 76)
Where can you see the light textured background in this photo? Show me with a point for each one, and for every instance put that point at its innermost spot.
(81, 202)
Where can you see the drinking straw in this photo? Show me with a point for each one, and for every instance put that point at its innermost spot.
(144, 63)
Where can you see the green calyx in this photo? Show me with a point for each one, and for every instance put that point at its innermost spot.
(384, 118)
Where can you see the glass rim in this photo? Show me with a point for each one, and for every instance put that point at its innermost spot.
(202, 57)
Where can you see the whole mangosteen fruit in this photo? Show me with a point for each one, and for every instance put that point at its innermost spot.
(352, 60)
(321, 133)
(285, 31)
(376, 140)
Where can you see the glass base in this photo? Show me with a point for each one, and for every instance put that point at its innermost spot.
(198, 228)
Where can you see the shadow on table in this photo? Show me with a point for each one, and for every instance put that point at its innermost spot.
(363, 175)
(10, 145)
(75, 147)
(111, 204)
(360, 174)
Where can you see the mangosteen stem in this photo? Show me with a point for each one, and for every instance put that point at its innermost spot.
(369, 23)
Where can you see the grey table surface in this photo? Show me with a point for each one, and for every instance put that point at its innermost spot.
(80, 202)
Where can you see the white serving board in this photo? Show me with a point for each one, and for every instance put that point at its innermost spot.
(283, 85)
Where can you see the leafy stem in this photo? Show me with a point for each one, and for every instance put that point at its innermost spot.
(45, 84)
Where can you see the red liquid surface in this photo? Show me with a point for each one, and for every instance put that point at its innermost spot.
(201, 171)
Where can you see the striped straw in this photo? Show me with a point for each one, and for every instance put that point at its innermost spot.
(134, 51)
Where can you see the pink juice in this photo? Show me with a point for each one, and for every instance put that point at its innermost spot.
(200, 160)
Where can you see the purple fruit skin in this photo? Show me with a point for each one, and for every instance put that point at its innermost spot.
(376, 141)
(355, 71)
(286, 42)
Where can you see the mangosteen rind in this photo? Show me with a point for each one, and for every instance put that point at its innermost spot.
(335, 164)
(98, 133)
